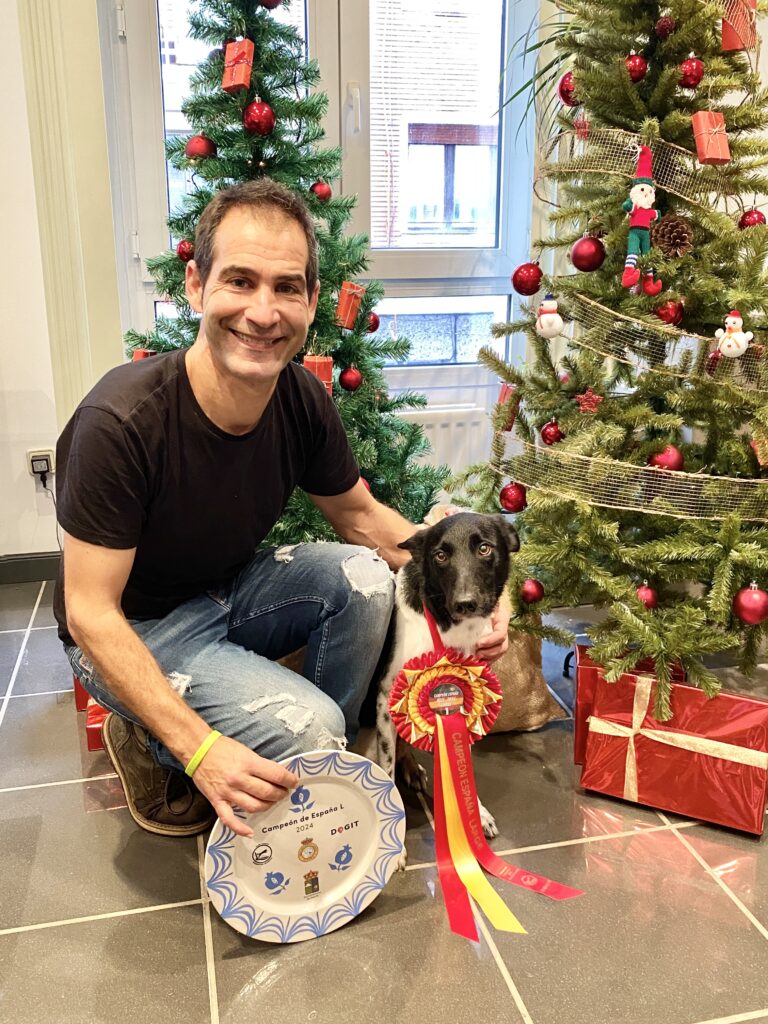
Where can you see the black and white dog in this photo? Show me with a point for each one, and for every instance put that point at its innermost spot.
(458, 570)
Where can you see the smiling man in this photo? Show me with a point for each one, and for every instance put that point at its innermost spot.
(170, 474)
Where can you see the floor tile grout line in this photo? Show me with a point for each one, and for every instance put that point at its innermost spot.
(210, 963)
(572, 842)
(98, 917)
(726, 889)
(34, 629)
(61, 782)
(42, 693)
(14, 674)
(556, 697)
(737, 1018)
(497, 957)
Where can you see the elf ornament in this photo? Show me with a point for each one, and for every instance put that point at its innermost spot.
(549, 323)
(733, 341)
(639, 206)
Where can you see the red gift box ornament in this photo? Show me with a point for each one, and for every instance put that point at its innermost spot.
(710, 763)
(238, 64)
(507, 397)
(739, 25)
(348, 306)
(322, 368)
(444, 701)
(711, 138)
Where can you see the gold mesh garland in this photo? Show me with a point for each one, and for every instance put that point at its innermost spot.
(614, 151)
(655, 349)
(612, 484)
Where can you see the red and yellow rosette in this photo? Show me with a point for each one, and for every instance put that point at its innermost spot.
(444, 702)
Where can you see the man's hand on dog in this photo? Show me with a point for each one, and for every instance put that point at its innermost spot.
(231, 775)
(494, 644)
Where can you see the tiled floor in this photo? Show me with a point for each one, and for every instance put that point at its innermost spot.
(101, 922)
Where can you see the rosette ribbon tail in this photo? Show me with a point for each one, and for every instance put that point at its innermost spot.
(458, 760)
(460, 851)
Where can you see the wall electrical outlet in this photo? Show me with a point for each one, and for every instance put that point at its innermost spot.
(40, 460)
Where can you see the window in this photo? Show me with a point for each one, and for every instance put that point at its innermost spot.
(438, 171)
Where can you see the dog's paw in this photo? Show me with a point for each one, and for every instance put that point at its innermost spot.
(490, 828)
(413, 774)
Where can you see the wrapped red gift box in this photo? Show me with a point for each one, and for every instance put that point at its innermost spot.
(238, 63)
(322, 367)
(142, 353)
(348, 306)
(709, 762)
(81, 695)
(711, 138)
(505, 394)
(740, 25)
(94, 717)
(588, 673)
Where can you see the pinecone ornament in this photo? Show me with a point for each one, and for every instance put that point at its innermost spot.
(673, 235)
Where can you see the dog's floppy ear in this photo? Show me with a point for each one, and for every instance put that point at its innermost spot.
(415, 543)
(508, 532)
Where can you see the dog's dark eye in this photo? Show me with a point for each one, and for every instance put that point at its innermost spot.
(484, 550)
(440, 556)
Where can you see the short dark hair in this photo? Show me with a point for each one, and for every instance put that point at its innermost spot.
(256, 196)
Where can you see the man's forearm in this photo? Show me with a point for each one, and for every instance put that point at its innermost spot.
(133, 676)
(382, 528)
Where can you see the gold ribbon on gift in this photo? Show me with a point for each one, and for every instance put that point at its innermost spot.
(680, 740)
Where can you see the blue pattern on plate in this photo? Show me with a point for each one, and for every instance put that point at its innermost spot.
(257, 924)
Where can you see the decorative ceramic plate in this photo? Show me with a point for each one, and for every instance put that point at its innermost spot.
(317, 858)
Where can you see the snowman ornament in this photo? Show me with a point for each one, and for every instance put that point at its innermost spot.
(733, 341)
(549, 323)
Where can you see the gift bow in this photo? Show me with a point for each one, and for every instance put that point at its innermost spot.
(680, 740)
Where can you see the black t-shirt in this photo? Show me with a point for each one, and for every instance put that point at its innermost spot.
(141, 465)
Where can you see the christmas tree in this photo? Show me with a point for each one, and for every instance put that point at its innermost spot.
(637, 458)
(255, 110)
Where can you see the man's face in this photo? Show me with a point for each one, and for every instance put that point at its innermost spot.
(255, 308)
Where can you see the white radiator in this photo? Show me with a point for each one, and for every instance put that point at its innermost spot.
(460, 435)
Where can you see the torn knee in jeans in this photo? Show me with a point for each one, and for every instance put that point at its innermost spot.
(368, 573)
(298, 719)
(285, 553)
(179, 682)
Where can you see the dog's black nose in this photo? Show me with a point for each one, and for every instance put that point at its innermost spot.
(465, 607)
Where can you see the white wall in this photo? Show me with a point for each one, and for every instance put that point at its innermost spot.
(27, 408)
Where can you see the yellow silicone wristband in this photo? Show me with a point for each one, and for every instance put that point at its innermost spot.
(201, 751)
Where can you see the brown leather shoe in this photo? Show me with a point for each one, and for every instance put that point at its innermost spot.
(160, 800)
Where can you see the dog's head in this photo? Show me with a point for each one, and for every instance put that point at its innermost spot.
(459, 566)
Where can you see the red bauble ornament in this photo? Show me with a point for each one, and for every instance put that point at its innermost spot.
(185, 251)
(373, 323)
(566, 90)
(637, 66)
(551, 433)
(751, 605)
(351, 378)
(670, 458)
(588, 253)
(271, 4)
(531, 591)
(259, 118)
(322, 190)
(198, 147)
(526, 280)
(665, 27)
(513, 498)
(670, 313)
(751, 218)
(713, 361)
(691, 72)
(648, 596)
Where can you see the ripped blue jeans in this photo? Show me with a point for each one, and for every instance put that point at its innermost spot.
(218, 650)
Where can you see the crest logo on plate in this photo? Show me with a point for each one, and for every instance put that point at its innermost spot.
(262, 854)
(342, 859)
(301, 800)
(308, 850)
(311, 885)
(276, 882)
